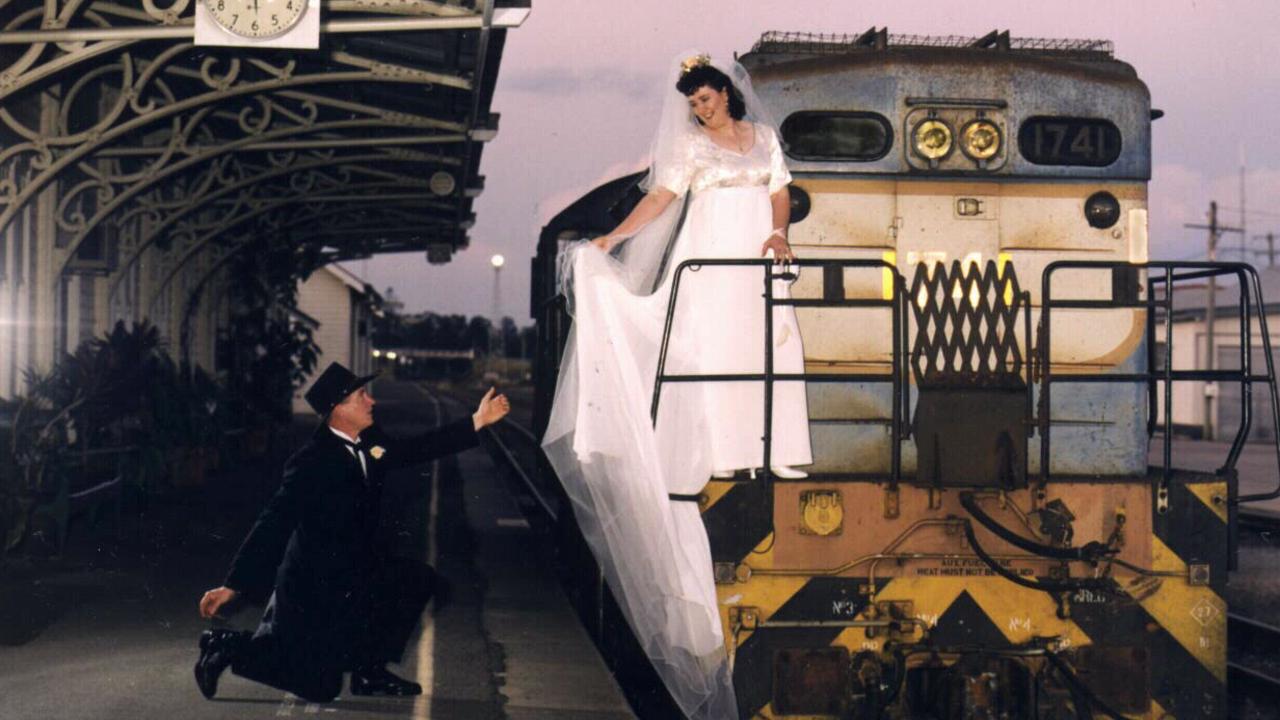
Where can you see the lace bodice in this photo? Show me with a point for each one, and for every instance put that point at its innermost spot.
(706, 165)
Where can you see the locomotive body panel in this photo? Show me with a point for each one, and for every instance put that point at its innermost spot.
(1100, 430)
(873, 583)
(1009, 87)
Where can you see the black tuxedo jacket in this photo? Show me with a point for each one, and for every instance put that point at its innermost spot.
(314, 544)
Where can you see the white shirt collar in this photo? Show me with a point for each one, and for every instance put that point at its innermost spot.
(351, 449)
(342, 435)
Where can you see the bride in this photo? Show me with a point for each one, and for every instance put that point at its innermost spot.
(715, 162)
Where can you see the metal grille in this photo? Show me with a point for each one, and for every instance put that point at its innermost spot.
(966, 326)
(839, 43)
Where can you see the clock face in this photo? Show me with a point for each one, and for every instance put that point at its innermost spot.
(256, 18)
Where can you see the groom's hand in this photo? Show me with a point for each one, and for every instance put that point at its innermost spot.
(493, 407)
(213, 601)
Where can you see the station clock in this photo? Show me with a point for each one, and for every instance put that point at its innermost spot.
(256, 19)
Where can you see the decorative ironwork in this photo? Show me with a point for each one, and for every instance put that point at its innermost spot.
(131, 157)
(966, 326)
(232, 185)
(364, 222)
(145, 126)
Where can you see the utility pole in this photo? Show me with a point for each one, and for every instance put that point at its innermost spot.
(1215, 230)
(497, 261)
(1271, 247)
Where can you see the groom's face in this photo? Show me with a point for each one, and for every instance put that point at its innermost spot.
(355, 410)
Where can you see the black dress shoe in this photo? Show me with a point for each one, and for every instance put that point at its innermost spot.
(378, 681)
(217, 650)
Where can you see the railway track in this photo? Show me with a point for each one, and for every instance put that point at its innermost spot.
(511, 444)
(520, 450)
(1253, 666)
(1253, 645)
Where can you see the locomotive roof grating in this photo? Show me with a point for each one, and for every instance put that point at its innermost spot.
(842, 43)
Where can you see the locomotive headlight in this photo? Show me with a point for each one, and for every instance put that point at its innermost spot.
(980, 139)
(1102, 210)
(932, 139)
(800, 203)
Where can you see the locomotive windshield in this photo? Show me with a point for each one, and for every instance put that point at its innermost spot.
(852, 136)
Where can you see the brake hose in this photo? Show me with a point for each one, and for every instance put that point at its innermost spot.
(1049, 586)
(1090, 552)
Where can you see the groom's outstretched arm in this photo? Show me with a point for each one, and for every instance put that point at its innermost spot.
(449, 438)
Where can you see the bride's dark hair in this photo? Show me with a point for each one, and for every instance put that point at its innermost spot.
(709, 76)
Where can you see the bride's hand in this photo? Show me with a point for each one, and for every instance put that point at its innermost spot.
(780, 247)
(603, 242)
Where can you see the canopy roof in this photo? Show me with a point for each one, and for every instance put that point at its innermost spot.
(138, 142)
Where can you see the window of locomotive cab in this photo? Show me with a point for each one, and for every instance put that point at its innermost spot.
(1088, 142)
(829, 135)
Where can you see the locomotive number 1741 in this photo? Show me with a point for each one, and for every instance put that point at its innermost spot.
(1091, 142)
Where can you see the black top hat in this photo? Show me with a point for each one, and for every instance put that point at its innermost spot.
(334, 385)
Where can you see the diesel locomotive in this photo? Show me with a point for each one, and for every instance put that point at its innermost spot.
(992, 527)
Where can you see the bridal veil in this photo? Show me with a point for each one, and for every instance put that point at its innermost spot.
(617, 465)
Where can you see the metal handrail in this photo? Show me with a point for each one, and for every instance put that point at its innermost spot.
(1250, 293)
(896, 303)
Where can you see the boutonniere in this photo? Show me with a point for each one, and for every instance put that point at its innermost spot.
(376, 452)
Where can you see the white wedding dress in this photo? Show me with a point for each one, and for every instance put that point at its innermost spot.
(618, 467)
(718, 323)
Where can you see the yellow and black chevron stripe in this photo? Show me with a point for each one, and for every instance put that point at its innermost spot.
(1165, 641)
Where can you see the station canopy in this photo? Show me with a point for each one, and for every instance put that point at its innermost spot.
(125, 138)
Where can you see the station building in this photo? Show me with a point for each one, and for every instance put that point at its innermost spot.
(339, 308)
(1221, 402)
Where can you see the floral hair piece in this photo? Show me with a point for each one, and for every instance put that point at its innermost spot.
(696, 61)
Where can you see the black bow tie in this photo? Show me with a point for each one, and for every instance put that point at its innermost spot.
(357, 445)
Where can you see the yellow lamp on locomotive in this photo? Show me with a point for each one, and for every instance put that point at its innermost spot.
(980, 140)
(932, 139)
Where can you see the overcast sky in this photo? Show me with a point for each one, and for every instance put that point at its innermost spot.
(580, 82)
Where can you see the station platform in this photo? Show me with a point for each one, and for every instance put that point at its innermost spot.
(109, 630)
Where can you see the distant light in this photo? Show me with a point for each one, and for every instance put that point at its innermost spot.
(497, 261)
(377, 353)
(391, 356)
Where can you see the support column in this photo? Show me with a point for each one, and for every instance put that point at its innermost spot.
(8, 237)
(48, 336)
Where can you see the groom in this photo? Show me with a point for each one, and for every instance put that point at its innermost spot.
(336, 602)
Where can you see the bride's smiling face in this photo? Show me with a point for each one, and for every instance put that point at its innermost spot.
(710, 106)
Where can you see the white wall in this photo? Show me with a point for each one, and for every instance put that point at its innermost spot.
(1189, 353)
(338, 309)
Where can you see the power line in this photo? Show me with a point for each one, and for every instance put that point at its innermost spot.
(1270, 250)
(1264, 213)
(1271, 247)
